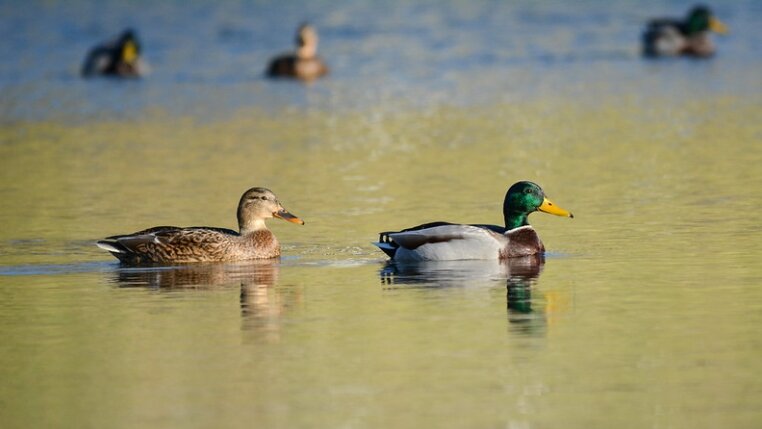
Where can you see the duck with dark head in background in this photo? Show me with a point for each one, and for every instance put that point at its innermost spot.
(304, 63)
(119, 57)
(444, 241)
(172, 244)
(666, 37)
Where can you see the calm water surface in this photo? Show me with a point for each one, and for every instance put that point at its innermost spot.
(645, 312)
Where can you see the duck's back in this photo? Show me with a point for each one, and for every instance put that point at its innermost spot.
(447, 243)
(442, 241)
(100, 60)
(663, 37)
(284, 65)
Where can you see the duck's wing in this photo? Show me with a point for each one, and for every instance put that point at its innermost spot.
(98, 60)
(167, 243)
(150, 231)
(127, 243)
(445, 241)
(663, 37)
(389, 245)
(102, 58)
(167, 231)
(282, 65)
(385, 235)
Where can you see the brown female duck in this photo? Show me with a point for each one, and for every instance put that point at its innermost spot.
(171, 244)
(303, 64)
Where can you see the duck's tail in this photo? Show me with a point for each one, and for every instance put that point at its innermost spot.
(388, 248)
(111, 246)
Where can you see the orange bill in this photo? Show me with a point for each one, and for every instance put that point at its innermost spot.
(283, 214)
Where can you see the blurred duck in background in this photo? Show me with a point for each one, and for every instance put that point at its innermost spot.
(303, 64)
(689, 37)
(119, 57)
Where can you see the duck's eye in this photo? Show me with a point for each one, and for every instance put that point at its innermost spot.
(527, 191)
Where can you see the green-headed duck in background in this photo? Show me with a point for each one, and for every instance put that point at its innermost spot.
(119, 57)
(666, 37)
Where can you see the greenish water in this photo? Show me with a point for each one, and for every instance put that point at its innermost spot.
(645, 312)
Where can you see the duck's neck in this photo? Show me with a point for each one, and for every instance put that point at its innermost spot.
(251, 225)
(515, 220)
(307, 51)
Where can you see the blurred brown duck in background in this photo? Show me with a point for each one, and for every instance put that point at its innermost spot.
(119, 57)
(689, 37)
(303, 64)
(171, 244)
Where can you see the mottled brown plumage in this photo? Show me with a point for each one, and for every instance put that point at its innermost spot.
(171, 244)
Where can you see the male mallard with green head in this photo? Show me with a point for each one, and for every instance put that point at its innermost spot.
(303, 64)
(442, 241)
(119, 57)
(171, 244)
(689, 37)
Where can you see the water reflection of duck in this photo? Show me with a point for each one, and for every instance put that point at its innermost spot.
(460, 272)
(303, 64)
(448, 241)
(520, 275)
(119, 57)
(200, 276)
(262, 304)
(519, 302)
(171, 244)
(690, 37)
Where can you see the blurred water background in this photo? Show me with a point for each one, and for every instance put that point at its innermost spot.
(644, 313)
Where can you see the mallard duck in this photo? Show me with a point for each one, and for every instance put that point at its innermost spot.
(171, 244)
(304, 63)
(441, 241)
(690, 37)
(119, 57)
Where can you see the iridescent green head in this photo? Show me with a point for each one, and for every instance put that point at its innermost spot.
(524, 198)
(701, 19)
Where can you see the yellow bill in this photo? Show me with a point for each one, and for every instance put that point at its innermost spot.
(548, 207)
(129, 52)
(717, 26)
